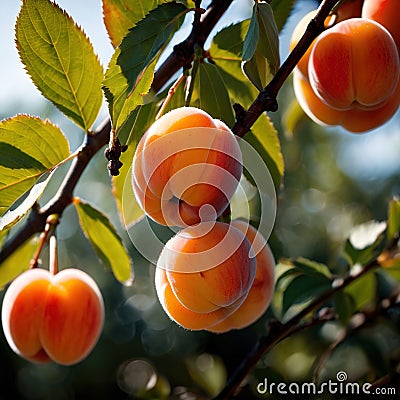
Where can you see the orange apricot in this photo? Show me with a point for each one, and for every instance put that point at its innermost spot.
(204, 274)
(354, 64)
(386, 12)
(53, 317)
(355, 120)
(186, 168)
(262, 289)
(348, 9)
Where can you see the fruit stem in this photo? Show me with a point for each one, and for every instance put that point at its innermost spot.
(171, 92)
(51, 223)
(53, 261)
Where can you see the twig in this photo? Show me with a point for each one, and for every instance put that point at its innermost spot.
(279, 331)
(266, 100)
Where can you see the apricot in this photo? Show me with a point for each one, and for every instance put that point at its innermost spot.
(386, 12)
(262, 289)
(354, 64)
(355, 120)
(204, 273)
(53, 317)
(348, 9)
(186, 168)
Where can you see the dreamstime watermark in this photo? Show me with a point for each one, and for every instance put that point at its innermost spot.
(339, 386)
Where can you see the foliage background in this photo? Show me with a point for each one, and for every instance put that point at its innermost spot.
(333, 181)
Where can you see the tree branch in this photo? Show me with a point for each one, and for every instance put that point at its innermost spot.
(279, 331)
(266, 100)
(182, 55)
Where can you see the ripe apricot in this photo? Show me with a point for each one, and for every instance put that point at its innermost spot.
(386, 12)
(53, 317)
(348, 9)
(355, 120)
(262, 289)
(186, 168)
(354, 64)
(204, 273)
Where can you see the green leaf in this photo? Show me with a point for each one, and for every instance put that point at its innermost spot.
(226, 52)
(264, 138)
(362, 290)
(29, 147)
(312, 268)
(344, 306)
(105, 241)
(60, 60)
(365, 242)
(301, 290)
(130, 133)
(17, 262)
(282, 10)
(260, 58)
(131, 69)
(393, 228)
(211, 93)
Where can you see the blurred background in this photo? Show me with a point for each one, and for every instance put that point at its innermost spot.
(333, 181)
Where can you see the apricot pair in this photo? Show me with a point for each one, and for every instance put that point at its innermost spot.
(215, 276)
(53, 317)
(186, 169)
(350, 75)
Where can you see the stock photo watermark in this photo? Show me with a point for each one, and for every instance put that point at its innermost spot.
(340, 386)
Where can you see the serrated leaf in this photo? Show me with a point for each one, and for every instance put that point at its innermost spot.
(11, 217)
(260, 59)
(282, 10)
(393, 225)
(105, 241)
(17, 262)
(211, 93)
(264, 138)
(312, 268)
(131, 69)
(362, 290)
(301, 290)
(60, 60)
(364, 242)
(29, 147)
(130, 133)
(121, 15)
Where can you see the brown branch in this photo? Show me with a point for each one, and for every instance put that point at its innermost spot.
(182, 55)
(279, 331)
(266, 100)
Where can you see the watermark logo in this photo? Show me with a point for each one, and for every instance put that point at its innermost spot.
(339, 386)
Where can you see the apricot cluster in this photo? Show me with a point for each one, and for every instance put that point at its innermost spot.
(350, 75)
(49, 317)
(211, 275)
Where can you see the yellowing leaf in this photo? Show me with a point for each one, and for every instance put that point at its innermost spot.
(29, 147)
(105, 241)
